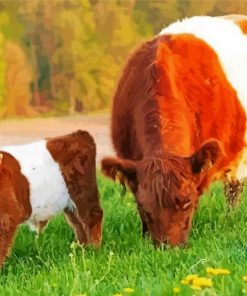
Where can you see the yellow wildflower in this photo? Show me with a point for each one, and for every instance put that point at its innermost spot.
(196, 282)
(217, 271)
(189, 278)
(176, 290)
(202, 282)
(245, 278)
(117, 294)
(128, 290)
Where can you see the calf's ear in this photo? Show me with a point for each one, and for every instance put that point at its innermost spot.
(122, 170)
(206, 156)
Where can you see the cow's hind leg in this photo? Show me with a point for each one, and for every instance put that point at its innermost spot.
(8, 228)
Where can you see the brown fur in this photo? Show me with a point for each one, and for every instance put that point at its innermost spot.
(127, 139)
(167, 130)
(75, 155)
(15, 206)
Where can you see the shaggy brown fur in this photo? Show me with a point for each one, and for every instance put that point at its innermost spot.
(170, 133)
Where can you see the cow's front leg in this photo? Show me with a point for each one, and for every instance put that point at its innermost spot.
(232, 190)
(144, 224)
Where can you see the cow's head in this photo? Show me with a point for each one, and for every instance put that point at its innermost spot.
(166, 189)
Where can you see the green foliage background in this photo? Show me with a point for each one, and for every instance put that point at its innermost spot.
(69, 53)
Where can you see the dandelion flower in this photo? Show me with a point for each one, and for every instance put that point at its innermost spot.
(196, 282)
(176, 290)
(202, 282)
(245, 278)
(189, 278)
(128, 290)
(117, 294)
(223, 271)
(217, 271)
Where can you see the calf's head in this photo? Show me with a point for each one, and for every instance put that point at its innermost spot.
(94, 224)
(166, 189)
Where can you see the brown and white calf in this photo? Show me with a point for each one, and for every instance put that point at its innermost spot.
(44, 178)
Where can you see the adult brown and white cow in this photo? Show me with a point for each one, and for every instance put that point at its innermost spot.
(41, 179)
(179, 120)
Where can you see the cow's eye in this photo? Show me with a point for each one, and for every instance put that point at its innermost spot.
(177, 203)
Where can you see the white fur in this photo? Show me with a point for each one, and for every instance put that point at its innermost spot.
(48, 192)
(230, 45)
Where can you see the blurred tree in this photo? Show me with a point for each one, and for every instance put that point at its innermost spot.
(117, 34)
(75, 57)
(204, 7)
(77, 47)
(160, 13)
(37, 16)
(18, 78)
(230, 7)
(3, 20)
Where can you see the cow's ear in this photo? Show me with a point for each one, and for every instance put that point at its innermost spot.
(122, 170)
(206, 156)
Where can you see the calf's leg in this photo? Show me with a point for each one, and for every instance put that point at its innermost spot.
(12, 214)
(8, 227)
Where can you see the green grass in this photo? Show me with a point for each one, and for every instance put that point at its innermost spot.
(52, 265)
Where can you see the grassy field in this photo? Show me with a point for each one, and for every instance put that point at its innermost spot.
(52, 265)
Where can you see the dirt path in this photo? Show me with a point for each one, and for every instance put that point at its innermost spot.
(28, 130)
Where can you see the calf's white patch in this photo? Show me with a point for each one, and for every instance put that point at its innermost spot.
(48, 192)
